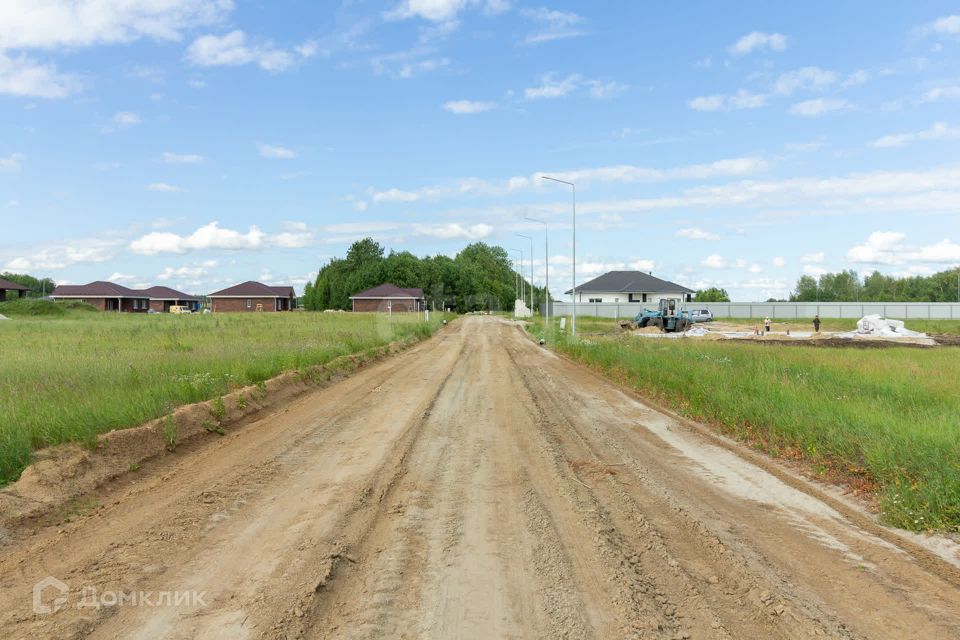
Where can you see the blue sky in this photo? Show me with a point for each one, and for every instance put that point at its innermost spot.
(198, 143)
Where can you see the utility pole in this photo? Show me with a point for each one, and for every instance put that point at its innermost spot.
(573, 263)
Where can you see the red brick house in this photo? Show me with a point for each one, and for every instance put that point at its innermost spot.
(253, 296)
(109, 296)
(388, 298)
(162, 298)
(7, 285)
(105, 296)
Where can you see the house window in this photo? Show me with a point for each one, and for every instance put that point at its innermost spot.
(596, 299)
(644, 297)
(249, 304)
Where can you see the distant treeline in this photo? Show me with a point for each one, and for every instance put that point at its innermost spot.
(876, 287)
(480, 277)
(37, 286)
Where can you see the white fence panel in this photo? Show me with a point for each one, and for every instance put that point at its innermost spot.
(779, 310)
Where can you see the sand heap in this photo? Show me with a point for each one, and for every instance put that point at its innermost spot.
(520, 310)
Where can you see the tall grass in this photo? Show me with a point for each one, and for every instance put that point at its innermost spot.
(68, 379)
(891, 415)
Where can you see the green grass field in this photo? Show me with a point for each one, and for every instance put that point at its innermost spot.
(888, 416)
(69, 377)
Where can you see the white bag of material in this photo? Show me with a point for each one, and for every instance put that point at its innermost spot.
(520, 310)
(876, 325)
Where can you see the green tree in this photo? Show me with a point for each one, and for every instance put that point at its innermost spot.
(711, 294)
(37, 286)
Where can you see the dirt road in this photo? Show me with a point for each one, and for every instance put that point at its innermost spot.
(475, 486)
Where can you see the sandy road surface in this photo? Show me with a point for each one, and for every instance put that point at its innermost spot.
(475, 486)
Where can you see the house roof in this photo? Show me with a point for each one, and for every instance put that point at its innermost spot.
(251, 289)
(388, 290)
(166, 293)
(98, 289)
(631, 282)
(103, 289)
(12, 286)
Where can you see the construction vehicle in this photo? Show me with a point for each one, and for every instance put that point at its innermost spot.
(667, 317)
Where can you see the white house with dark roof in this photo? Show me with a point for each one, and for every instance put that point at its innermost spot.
(631, 286)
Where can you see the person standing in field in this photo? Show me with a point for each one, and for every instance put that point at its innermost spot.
(766, 324)
(816, 323)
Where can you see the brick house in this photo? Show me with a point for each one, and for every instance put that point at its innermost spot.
(105, 296)
(253, 296)
(7, 285)
(388, 298)
(109, 296)
(162, 298)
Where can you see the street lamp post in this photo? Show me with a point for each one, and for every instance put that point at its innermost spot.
(520, 235)
(573, 324)
(546, 265)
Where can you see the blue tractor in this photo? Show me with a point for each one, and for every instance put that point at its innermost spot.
(667, 317)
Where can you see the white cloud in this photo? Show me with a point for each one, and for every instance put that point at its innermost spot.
(714, 261)
(296, 236)
(116, 276)
(210, 236)
(182, 158)
(778, 261)
(443, 10)
(60, 256)
(554, 25)
(941, 93)
(51, 24)
(758, 40)
(813, 258)
(11, 162)
(600, 90)
(806, 79)
(889, 248)
(708, 103)
(465, 107)
(232, 50)
(25, 77)
(819, 106)
(275, 152)
(453, 231)
(812, 270)
(695, 233)
(163, 187)
(126, 119)
(755, 268)
(938, 131)
(214, 237)
(550, 87)
(614, 174)
(858, 77)
(742, 99)
(642, 265)
(415, 68)
(947, 25)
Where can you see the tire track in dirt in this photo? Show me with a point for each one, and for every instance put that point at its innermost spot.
(798, 554)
